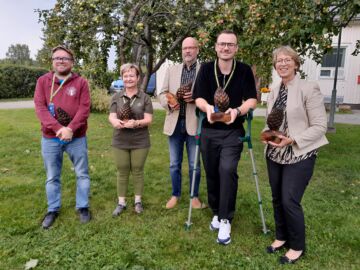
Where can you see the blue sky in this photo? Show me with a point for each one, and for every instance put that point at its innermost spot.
(19, 24)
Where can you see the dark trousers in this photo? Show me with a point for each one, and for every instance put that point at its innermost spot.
(220, 150)
(288, 183)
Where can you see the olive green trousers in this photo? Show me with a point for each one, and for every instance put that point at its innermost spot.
(126, 161)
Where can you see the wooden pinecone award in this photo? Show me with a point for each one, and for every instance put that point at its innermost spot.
(221, 101)
(63, 117)
(125, 112)
(183, 90)
(172, 99)
(274, 121)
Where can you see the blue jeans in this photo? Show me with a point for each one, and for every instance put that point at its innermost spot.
(176, 147)
(52, 152)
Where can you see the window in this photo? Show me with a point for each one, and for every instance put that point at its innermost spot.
(328, 64)
(325, 73)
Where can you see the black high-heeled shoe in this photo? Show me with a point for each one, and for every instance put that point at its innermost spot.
(285, 260)
(271, 249)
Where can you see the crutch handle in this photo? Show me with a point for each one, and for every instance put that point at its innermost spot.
(201, 116)
(247, 138)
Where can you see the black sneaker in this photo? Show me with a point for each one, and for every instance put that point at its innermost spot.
(49, 219)
(84, 215)
(119, 208)
(139, 208)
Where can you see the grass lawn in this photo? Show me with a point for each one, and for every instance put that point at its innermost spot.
(157, 238)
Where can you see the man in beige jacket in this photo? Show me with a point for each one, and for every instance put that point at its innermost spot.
(180, 122)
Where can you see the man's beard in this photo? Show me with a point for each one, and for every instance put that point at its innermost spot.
(64, 73)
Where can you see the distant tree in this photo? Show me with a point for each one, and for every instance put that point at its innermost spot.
(4, 61)
(19, 54)
(145, 32)
(42, 58)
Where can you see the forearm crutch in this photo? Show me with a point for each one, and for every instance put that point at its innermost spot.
(201, 117)
(247, 138)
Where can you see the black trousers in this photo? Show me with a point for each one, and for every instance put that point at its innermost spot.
(221, 150)
(288, 183)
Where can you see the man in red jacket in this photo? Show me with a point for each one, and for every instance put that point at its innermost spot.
(62, 103)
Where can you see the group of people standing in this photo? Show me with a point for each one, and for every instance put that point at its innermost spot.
(290, 160)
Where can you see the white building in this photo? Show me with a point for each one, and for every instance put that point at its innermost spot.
(348, 83)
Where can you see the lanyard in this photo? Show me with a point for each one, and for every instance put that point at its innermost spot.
(216, 75)
(132, 101)
(52, 94)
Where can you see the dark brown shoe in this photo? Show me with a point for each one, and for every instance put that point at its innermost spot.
(49, 219)
(84, 215)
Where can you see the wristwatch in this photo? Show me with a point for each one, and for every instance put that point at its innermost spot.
(238, 111)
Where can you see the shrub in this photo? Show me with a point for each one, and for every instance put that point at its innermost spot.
(18, 81)
(100, 100)
(101, 78)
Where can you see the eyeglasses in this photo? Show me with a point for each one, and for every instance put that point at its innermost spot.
(224, 44)
(62, 59)
(285, 61)
(189, 48)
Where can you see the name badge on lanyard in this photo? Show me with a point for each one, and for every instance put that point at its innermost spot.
(51, 106)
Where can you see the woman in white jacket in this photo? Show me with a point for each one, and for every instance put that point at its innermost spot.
(291, 159)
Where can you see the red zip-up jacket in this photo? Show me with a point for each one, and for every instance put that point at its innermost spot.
(73, 97)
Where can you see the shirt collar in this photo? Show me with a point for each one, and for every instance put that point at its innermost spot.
(123, 94)
(191, 67)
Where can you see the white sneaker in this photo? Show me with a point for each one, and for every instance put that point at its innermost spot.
(214, 224)
(224, 232)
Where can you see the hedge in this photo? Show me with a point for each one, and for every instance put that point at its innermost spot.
(18, 81)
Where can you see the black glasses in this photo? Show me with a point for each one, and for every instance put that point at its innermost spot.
(189, 48)
(285, 61)
(62, 59)
(224, 44)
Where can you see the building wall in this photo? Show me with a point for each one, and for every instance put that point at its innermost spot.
(347, 86)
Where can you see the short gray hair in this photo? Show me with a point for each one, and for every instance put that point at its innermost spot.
(126, 67)
(288, 51)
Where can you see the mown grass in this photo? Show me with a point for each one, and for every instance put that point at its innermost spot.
(157, 238)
